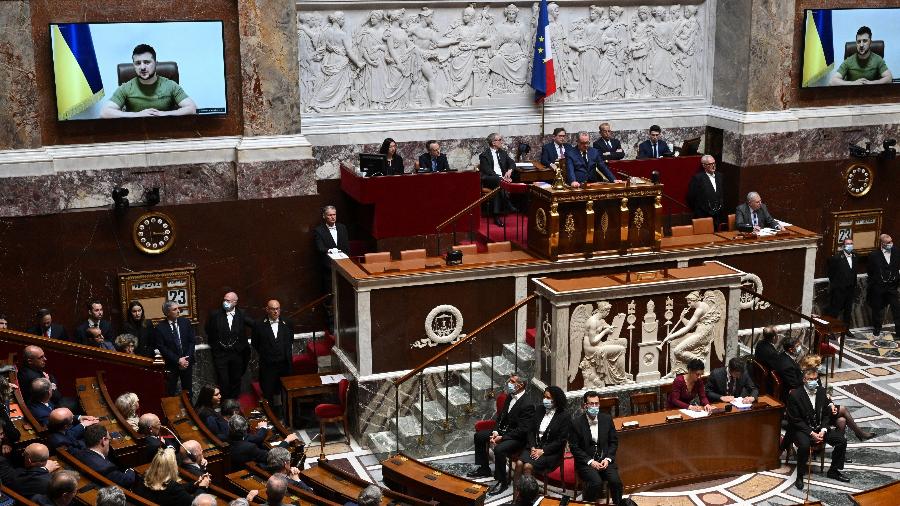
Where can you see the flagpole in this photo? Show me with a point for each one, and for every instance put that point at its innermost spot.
(542, 119)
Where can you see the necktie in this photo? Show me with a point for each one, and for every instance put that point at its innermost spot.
(177, 334)
(755, 219)
(48, 332)
(654, 150)
(584, 157)
(559, 151)
(731, 386)
(434, 165)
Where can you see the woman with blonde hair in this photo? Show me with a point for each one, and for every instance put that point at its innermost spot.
(162, 486)
(128, 404)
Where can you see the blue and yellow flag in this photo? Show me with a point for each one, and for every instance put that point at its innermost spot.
(818, 48)
(78, 83)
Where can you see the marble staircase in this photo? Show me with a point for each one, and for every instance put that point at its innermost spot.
(424, 427)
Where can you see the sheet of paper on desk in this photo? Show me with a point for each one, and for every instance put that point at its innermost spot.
(783, 224)
(693, 414)
(329, 379)
(740, 404)
(338, 256)
(765, 232)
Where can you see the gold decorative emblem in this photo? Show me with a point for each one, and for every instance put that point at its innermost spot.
(859, 179)
(604, 223)
(638, 218)
(570, 225)
(540, 221)
(153, 233)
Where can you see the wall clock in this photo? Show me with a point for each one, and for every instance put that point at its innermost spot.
(858, 179)
(154, 233)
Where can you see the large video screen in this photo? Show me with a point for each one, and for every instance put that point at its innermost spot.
(850, 47)
(128, 70)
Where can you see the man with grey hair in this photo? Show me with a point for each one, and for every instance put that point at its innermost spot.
(204, 500)
(276, 489)
(753, 216)
(40, 404)
(111, 496)
(175, 341)
(369, 496)
(706, 192)
(242, 450)
(62, 489)
(149, 424)
(331, 238)
(585, 165)
(495, 166)
(279, 462)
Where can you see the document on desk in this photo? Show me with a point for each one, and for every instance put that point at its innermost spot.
(329, 379)
(766, 232)
(739, 403)
(693, 414)
(340, 255)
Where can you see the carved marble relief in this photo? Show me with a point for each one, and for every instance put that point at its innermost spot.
(446, 57)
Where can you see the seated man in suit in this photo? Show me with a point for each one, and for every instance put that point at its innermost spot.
(433, 160)
(242, 450)
(95, 455)
(735, 383)
(556, 149)
(809, 411)
(495, 165)
(785, 365)
(175, 342)
(842, 282)
(609, 147)
(96, 338)
(61, 491)
(44, 326)
(706, 192)
(64, 431)
(584, 164)
(510, 434)
(276, 490)
(753, 216)
(278, 461)
(35, 479)
(191, 459)
(148, 425)
(35, 366)
(594, 443)
(95, 320)
(655, 146)
(40, 404)
(765, 353)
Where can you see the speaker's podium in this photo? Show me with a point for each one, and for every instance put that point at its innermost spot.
(597, 219)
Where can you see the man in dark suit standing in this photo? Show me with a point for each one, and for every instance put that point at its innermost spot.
(273, 339)
(609, 148)
(753, 216)
(842, 282)
(95, 456)
(594, 443)
(585, 165)
(706, 192)
(735, 383)
(44, 326)
(227, 338)
(655, 146)
(331, 237)
(495, 165)
(884, 278)
(555, 149)
(175, 342)
(809, 411)
(510, 434)
(95, 320)
(433, 160)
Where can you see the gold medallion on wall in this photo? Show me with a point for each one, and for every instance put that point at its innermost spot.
(540, 221)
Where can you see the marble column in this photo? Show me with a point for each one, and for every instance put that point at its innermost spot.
(19, 125)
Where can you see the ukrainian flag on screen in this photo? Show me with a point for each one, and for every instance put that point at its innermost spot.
(78, 83)
(818, 48)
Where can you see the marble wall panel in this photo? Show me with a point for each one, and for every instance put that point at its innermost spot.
(771, 62)
(269, 67)
(260, 180)
(730, 68)
(19, 126)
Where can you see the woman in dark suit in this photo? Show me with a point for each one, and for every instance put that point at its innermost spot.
(547, 435)
(162, 485)
(394, 164)
(208, 400)
(688, 391)
(139, 327)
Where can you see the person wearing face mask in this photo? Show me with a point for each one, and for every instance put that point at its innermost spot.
(884, 278)
(842, 282)
(547, 434)
(785, 365)
(594, 443)
(510, 434)
(226, 333)
(808, 412)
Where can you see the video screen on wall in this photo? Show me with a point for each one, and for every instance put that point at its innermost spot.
(850, 47)
(128, 70)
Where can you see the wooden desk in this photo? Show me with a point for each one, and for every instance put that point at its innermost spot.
(659, 454)
(176, 411)
(326, 478)
(223, 497)
(303, 385)
(425, 482)
(248, 480)
(93, 404)
(597, 219)
(879, 496)
(438, 263)
(90, 481)
(20, 500)
(691, 241)
(531, 175)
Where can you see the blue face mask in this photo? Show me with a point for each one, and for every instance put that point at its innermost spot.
(511, 388)
(548, 404)
(593, 410)
(888, 247)
(226, 306)
(848, 248)
(812, 384)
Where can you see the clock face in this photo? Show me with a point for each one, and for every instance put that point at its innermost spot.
(859, 179)
(154, 233)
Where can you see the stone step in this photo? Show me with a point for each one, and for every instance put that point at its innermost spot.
(526, 353)
(409, 427)
(503, 368)
(459, 401)
(434, 412)
(382, 442)
(481, 382)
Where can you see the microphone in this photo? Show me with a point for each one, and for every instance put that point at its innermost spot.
(173, 435)
(619, 172)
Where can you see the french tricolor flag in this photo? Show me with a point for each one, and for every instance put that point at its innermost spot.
(543, 78)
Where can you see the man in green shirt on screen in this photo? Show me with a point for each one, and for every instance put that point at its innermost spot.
(865, 67)
(148, 94)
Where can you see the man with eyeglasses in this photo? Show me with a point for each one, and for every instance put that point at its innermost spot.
(594, 443)
(754, 216)
(556, 149)
(706, 192)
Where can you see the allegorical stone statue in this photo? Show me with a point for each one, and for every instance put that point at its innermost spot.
(705, 328)
(596, 348)
(509, 64)
(332, 90)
